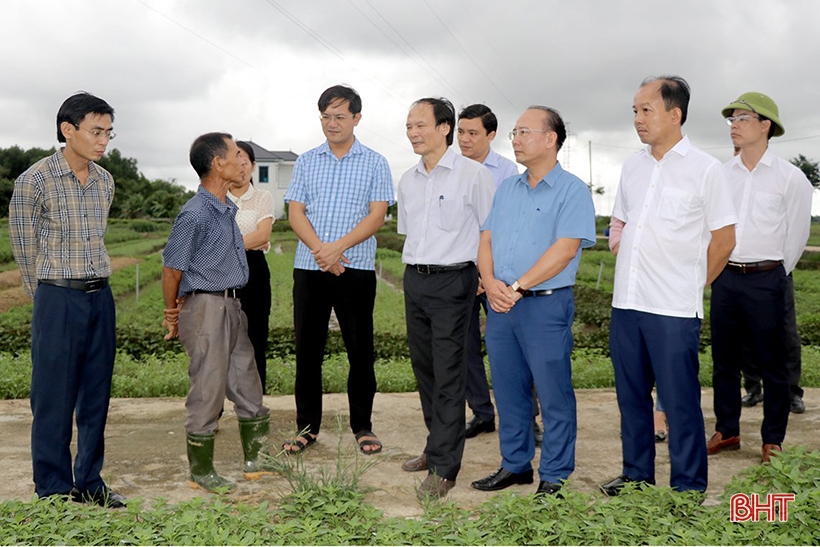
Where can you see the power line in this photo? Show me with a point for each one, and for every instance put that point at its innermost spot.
(469, 56)
(209, 42)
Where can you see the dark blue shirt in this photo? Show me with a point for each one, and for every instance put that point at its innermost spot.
(206, 245)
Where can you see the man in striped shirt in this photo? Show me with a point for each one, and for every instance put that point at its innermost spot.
(338, 198)
(57, 219)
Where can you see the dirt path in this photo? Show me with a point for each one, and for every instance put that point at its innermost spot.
(12, 293)
(145, 454)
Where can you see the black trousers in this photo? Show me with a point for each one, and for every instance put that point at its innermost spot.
(478, 388)
(794, 351)
(352, 295)
(750, 309)
(438, 309)
(256, 301)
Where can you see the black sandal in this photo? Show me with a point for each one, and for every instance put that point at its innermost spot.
(364, 443)
(301, 447)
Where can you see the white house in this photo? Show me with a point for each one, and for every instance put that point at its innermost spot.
(273, 173)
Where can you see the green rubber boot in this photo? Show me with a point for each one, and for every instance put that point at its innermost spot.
(254, 435)
(201, 465)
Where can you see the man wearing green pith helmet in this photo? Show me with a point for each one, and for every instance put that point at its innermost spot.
(772, 198)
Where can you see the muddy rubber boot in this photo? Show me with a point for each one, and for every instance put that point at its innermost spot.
(201, 465)
(254, 435)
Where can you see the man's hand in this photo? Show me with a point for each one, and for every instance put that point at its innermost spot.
(329, 255)
(500, 296)
(480, 289)
(171, 321)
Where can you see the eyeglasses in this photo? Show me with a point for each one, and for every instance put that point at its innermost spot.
(524, 132)
(338, 118)
(99, 133)
(743, 118)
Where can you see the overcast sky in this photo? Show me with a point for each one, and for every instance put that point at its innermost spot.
(173, 69)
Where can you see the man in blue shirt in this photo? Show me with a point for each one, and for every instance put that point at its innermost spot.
(204, 269)
(528, 257)
(338, 198)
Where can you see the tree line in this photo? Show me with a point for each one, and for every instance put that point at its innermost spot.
(135, 197)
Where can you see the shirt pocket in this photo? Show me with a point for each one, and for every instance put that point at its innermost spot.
(766, 208)
(676, 207)
(450, 214)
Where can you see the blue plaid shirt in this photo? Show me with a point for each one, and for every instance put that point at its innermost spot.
(337, 194)
(207, 246)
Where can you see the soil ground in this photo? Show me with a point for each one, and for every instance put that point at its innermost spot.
(145, 449)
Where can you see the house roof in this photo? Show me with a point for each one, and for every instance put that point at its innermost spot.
(268, 155)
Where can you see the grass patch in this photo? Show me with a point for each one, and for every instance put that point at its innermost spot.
(324, 510)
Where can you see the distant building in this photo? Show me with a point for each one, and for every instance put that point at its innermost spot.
(273, 173)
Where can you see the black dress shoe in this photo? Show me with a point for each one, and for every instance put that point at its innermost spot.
(751, 399)
(476, 425)
(547, 489)
(798, 406)
(104, 497)
(501, 479)
(614, 487)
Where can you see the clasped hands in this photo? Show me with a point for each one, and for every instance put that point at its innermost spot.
(500, 295)
(330, 257)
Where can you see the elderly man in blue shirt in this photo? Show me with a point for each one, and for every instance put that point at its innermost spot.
(528, 257)
(204, 270)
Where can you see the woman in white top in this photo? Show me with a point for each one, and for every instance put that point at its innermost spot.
(255, 219)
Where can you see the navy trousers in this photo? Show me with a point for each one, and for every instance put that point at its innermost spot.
(647, 348)
(73, 342)
(532, 344)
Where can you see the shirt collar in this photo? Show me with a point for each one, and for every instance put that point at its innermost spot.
(356, 148)
(766, 159)
(60, 167)
(214, 201)
(681, 148)
(550, 178)
(492, 158)
(244, 197)
(447, 161)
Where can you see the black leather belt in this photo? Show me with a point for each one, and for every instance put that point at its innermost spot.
(434, 268)
(85, 285)
(227, 293)
(752, 267)
(546, 292)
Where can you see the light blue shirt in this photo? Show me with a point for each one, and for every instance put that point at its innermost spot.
(500, 167)
(337, 194)
(526, 221)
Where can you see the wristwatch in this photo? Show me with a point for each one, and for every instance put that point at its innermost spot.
(516, 286)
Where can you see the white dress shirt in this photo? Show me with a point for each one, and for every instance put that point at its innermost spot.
(670, 208)
(441, 212)
(773, 204)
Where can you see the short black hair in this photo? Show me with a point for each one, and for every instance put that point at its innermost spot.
(554, 123)
(443, 112)
(205, 148)
(74, 109)
(675, 93)
(248, 149)
(488, 119)
(344, 92)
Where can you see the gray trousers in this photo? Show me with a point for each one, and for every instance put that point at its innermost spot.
(214, 331)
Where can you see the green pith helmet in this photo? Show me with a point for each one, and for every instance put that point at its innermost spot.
(759, 104)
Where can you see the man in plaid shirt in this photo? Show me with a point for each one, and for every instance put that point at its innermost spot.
(57, 219)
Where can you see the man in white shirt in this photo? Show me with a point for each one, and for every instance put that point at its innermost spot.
(679, 231)
(443, 201)
(749, 298)
(477, 126)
